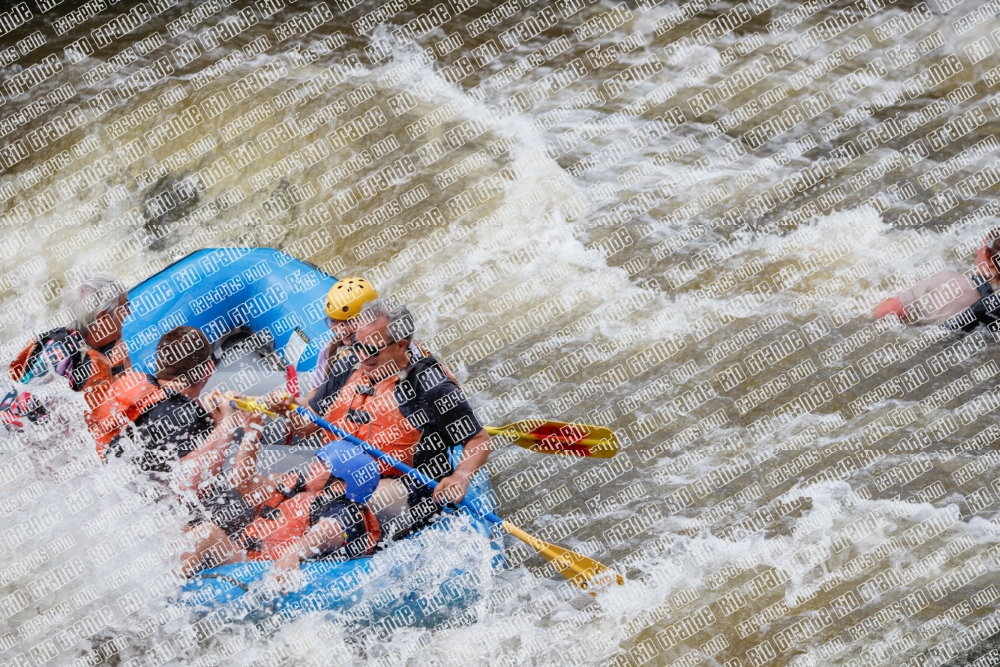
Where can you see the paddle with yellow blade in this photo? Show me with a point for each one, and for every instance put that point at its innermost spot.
(582, 571)
(576, 567)
(250, 405)
(552, 437)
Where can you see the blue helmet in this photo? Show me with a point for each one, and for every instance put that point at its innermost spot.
(349, 463)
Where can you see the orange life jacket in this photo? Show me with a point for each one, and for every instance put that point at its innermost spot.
(372, 413)
(97, 393)
(292, 508)
(121, 402)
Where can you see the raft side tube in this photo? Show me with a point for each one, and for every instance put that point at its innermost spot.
(221, 289)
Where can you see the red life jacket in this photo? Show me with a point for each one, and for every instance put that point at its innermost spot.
(295, 505)
(372, 413)
(123, 400)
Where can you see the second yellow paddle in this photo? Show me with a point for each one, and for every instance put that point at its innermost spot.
(552, 437)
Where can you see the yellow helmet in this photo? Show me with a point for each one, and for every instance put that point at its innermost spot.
(344, 300)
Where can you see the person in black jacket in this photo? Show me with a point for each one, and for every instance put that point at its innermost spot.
(406, 406)
(184, 439)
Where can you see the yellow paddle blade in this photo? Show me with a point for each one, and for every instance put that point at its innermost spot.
(552, 437)
(251, 405)
(582, 571)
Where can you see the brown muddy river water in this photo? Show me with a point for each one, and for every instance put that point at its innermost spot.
(673, 220)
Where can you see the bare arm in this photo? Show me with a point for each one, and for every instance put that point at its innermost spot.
(301, 426)
(452, 489)
(246, 480)
(477, 450)
(284, 404)
(206, 461)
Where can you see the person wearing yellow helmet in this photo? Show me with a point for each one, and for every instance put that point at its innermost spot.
(343, 306)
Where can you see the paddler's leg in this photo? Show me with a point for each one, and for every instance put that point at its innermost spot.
(212, 547)
(325, 536)
(389, 503)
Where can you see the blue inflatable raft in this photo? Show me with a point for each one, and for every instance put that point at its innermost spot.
(278, 301)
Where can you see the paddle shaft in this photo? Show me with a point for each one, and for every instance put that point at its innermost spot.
(388, 460)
